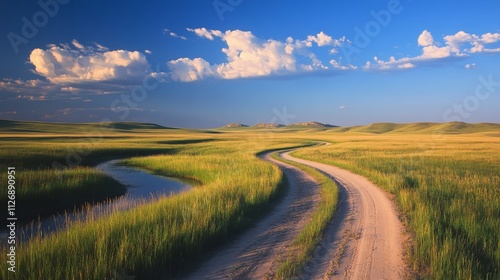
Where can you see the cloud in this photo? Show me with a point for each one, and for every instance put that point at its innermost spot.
(186, 70)
(249, 56)
(337, 65)
(321, 39)
(33, 87)
(101, 48)
(203, 32)
(148, 52)
(8, 114)
(37, 90)
(457, 40)
(431, 52)
(470, 66)
(343, 107)
(460, 44)
(425, 39)
(173, 34)
(393, 63)
(65, 65)
(489, 38)
(78, 45)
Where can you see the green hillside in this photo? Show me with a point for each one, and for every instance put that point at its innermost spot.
(7, 126)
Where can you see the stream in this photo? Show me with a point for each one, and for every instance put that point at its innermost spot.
(142, 187)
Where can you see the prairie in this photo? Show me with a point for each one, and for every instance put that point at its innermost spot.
(169, 235)
(447, 187)
(445, 179)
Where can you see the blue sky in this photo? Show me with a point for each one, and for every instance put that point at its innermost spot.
(208, 63)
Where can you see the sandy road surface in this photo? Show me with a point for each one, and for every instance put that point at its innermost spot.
(256, 253)
(364, 240)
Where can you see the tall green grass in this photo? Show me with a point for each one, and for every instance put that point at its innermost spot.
(46, 191)
(43, 188)
(448, 188)
(168, 236)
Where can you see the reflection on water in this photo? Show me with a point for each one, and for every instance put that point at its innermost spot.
(142, 187)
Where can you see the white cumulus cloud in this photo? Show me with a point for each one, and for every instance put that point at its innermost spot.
(425, 39)
(489, 38)
(203, 32)
(249, 56)
(459, 44)
(321, 39)
(187, 70)
(337, 65)
(64, 65)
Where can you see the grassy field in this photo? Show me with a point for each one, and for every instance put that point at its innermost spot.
(447, 186)
(46, 191)
(445, 177)
(168, 236)
(55, 173)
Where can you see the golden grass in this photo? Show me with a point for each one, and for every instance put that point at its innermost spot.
(448, 187)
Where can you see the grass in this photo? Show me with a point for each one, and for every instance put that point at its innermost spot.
(445, 183)
(57, 174)
(449, 189)
(7, 126)
(44, 192)
(421, 128)
(309, 237)
(168, 236)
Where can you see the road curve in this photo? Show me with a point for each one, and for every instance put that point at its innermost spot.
(256, 253)
(364, 240)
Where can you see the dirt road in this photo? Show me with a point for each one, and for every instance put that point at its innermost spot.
(364, 240)
(256, 254)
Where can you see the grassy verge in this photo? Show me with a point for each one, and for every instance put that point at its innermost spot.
(44, 192)
(166, 237)
(309, 238)
(449, 189)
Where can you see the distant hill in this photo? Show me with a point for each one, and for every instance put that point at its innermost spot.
(7, 126)
(423, 128)
(310, 125)
(268, 125)
(235, 125)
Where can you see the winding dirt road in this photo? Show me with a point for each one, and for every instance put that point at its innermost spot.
(363, 241)
(256, 253)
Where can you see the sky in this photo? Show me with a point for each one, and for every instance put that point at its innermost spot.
(203, 64)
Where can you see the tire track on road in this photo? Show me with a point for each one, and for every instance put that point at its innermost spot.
(364, 240)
